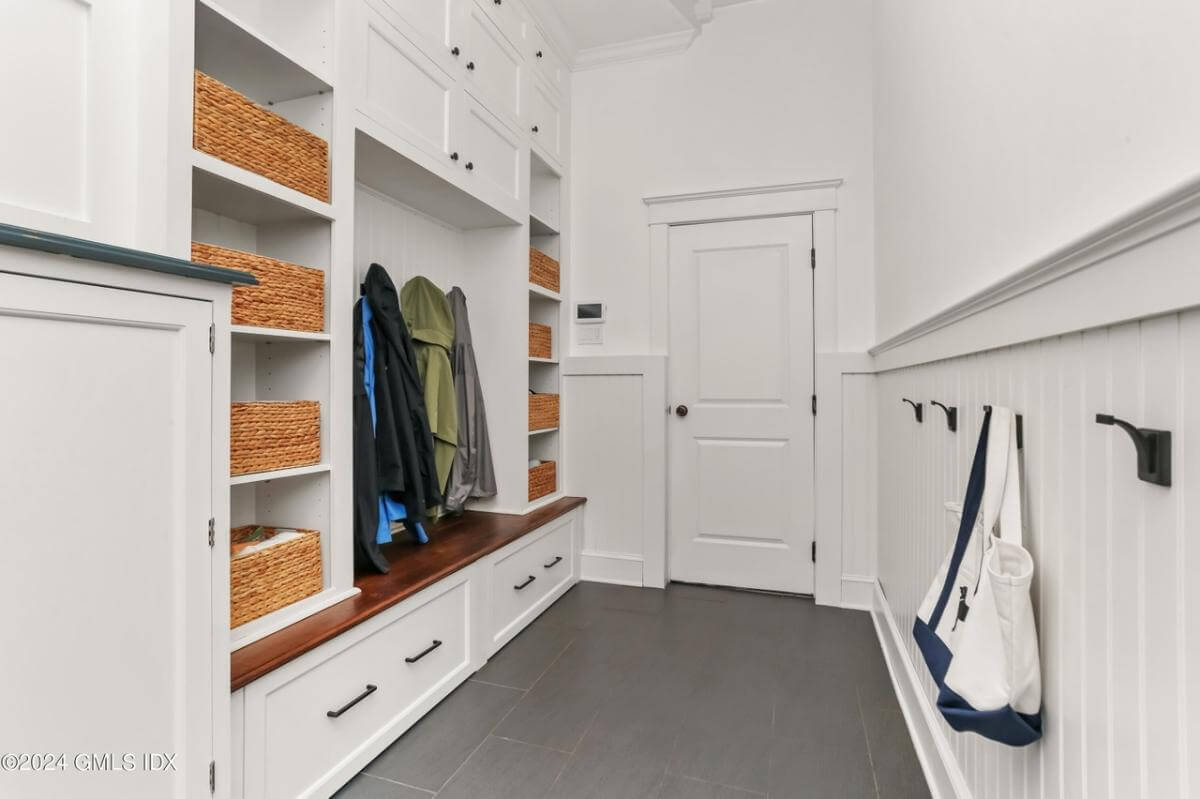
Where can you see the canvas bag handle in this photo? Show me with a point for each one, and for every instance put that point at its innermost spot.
(1002, 485)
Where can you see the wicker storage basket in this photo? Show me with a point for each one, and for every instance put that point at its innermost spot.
(543, 270)
(287, 297)
(543, 411)
(265, 436)
(270, 579)
(228, 125)
(543, 480)
(540, 344)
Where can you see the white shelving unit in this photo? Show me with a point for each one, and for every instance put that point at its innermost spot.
(545, 307)
(277, 53)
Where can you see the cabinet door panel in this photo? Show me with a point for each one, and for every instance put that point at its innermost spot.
(405, 90)
(493, 66)
(434, 24)
(494, 151)
(105, 496)
(508, 18)
(545, 62)
(546, 116)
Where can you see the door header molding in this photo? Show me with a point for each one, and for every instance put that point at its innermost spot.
(781, 199)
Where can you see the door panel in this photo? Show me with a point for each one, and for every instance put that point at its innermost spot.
(406, 91)
(496, 76)
(105, 496)
(741, 362)
(433, 24)
(494, 152)
(546, 116)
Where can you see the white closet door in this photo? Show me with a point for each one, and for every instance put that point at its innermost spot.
(105, 578)
(741, 378)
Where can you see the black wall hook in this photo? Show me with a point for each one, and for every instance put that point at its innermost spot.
(917, 410)
(951, 415)
(1020, 428)
(1153, 449)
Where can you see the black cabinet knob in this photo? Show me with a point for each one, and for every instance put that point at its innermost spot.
(470, 166)
(681, 411)
(471, 65)
(454, 51)
(453, 156)
(539, 53)
(499, 2)
(535, 128)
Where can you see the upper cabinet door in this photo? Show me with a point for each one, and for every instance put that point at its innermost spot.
(492, 154)
(545, 121)
(405, 90)
(493, 66)
(545, 62)
(508, 18)
(435, 25)
(70, 139)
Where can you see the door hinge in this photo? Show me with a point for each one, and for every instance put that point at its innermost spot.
(212, 339)
(814, 551)
(212, 532)
(212, 776)
(812, 256)
(814, 404)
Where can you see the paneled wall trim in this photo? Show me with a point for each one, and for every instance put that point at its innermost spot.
(1140, 264)
(1109, 325)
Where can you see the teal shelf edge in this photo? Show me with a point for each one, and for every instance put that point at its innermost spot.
(58, 244)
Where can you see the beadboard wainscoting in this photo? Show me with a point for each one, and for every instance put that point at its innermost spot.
(1118, 623)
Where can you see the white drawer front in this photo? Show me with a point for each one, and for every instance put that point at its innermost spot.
(546, 121)
(303, 744)
(548, 561)
(493, 66)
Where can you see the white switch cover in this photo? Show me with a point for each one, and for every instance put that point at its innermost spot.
(589, 334)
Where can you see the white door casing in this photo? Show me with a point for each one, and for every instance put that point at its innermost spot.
(105, 496)
(741, 361)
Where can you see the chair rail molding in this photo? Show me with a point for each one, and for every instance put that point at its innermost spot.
(1041, 299)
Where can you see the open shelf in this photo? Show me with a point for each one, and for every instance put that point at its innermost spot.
(543, 431)
(536, 291)
(238, 193)
(539, 227)
(544, 360)
(271, 334)
(279, 474)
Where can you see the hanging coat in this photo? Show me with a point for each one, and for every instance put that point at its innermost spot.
(432, 326)
(393, 458)
(472, 474)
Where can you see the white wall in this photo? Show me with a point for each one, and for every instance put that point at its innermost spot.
(1005, 130)
(772, 92)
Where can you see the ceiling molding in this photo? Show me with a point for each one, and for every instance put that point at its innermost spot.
(624, 52)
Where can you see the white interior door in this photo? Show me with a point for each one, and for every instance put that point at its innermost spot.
(105, 496)
(741, 369)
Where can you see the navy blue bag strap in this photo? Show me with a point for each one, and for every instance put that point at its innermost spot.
(970, 513)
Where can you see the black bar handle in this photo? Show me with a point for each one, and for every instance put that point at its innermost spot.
(552, 563)
(951, 415)
(1153, 449)
(917, 409)
(423, 652)
(333, 714)
(527, 582)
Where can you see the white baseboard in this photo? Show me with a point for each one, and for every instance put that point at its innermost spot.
(933, 750)
(611, 567)
(858, 592)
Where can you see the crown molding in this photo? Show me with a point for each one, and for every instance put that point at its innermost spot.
(637, 50)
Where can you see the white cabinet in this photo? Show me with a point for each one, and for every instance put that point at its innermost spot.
(405, 90)
(507, 15)
(494, 66)
(433, 24)
(545, 62)
(545, 116)
(492, 152)
(524, 578)
(106, 490)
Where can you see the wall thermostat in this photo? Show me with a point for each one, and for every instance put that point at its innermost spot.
(589, 313)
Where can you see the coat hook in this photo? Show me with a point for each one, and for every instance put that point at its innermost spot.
(1153, 449)
(951, 415)
(917, 410)
(1020, 428)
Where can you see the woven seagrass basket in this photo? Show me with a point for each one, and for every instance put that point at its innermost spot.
(543, 480)
(287, 297)
(265, 436)
(265, 581)
(543, 270)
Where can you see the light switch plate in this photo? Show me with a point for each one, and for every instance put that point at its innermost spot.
(589, 334)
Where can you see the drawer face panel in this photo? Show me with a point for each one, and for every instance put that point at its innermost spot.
(548, 561)
(303, 743)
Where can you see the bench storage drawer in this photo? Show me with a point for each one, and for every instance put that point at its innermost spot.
(524, 578)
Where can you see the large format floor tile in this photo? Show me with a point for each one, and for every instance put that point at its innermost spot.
(688, 693)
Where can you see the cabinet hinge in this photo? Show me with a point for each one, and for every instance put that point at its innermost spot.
(814, 551)
(814, 404)
(212, 532)
(212, 776)
(812, 256)
(212, 339)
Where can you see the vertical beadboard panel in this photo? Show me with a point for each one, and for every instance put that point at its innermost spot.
(1118, 618)
(859, 476)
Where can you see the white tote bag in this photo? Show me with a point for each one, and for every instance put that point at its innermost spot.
(976, 626)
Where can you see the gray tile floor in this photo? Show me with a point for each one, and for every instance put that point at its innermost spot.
(688, 693)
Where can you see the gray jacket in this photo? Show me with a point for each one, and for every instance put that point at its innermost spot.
(472, 474)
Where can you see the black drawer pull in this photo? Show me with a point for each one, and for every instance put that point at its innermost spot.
(552, 563)
(423, 652)
(333, 714)
(527, 582)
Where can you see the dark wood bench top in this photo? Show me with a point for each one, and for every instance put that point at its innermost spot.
(453, 544)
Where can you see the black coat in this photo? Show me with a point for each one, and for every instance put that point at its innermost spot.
(397, 457)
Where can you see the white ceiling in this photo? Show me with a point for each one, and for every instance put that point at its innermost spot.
(609, 23)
